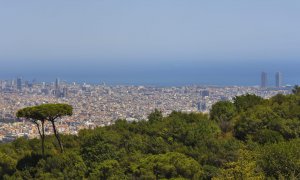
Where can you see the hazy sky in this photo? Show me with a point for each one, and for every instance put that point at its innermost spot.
(98, 34)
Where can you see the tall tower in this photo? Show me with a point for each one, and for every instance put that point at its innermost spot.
(57, 83)
(65, 92)
(19, 84)
(57, 87)
(278, 78)
(264, 80)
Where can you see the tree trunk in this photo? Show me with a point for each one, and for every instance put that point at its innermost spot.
(41, 135)
(43, 138)
(38, 127)
(57, 137)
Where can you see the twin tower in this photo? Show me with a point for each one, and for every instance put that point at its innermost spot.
(264, 80)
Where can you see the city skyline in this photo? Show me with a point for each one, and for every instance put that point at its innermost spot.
(264, 82)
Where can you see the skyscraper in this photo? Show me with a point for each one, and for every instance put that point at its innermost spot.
(65, 92)
(19, 84)
(264, 80)
(278, 78)
(57, 82)
(57, 88)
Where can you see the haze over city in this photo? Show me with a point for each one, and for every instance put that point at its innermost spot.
(150, 43)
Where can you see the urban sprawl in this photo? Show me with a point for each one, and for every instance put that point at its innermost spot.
(101, 105)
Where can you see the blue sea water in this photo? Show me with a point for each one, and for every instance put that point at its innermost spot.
(165, 73)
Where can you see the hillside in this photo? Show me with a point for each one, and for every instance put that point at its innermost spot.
(249, 138)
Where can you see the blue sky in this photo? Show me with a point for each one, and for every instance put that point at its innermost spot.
(102, 34)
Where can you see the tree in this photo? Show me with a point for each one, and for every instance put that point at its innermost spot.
(264, 136)
(52, 112)
(222, 112)
(49, 112)
(244, 168)
(261, 117)
(108, 169)
(281, 159)
(34, 115)
(166, 166)
(296, 90)
(7, 164)
(244, 102)
(70, 165)
(156, 115)
(96, 151)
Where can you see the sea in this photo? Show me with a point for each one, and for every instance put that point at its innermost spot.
(165, 73)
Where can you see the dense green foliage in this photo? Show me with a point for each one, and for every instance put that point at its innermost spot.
(222, 113)
(250, 138)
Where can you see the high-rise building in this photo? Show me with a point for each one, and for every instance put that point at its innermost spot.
(26, 84)
(65, 92)
(57, 88)
(278, 78)
(264, 80)
(43, 85)
(57, 83)
(13, 83)
(19, 83)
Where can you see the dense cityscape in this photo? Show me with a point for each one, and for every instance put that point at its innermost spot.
(101, 105)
